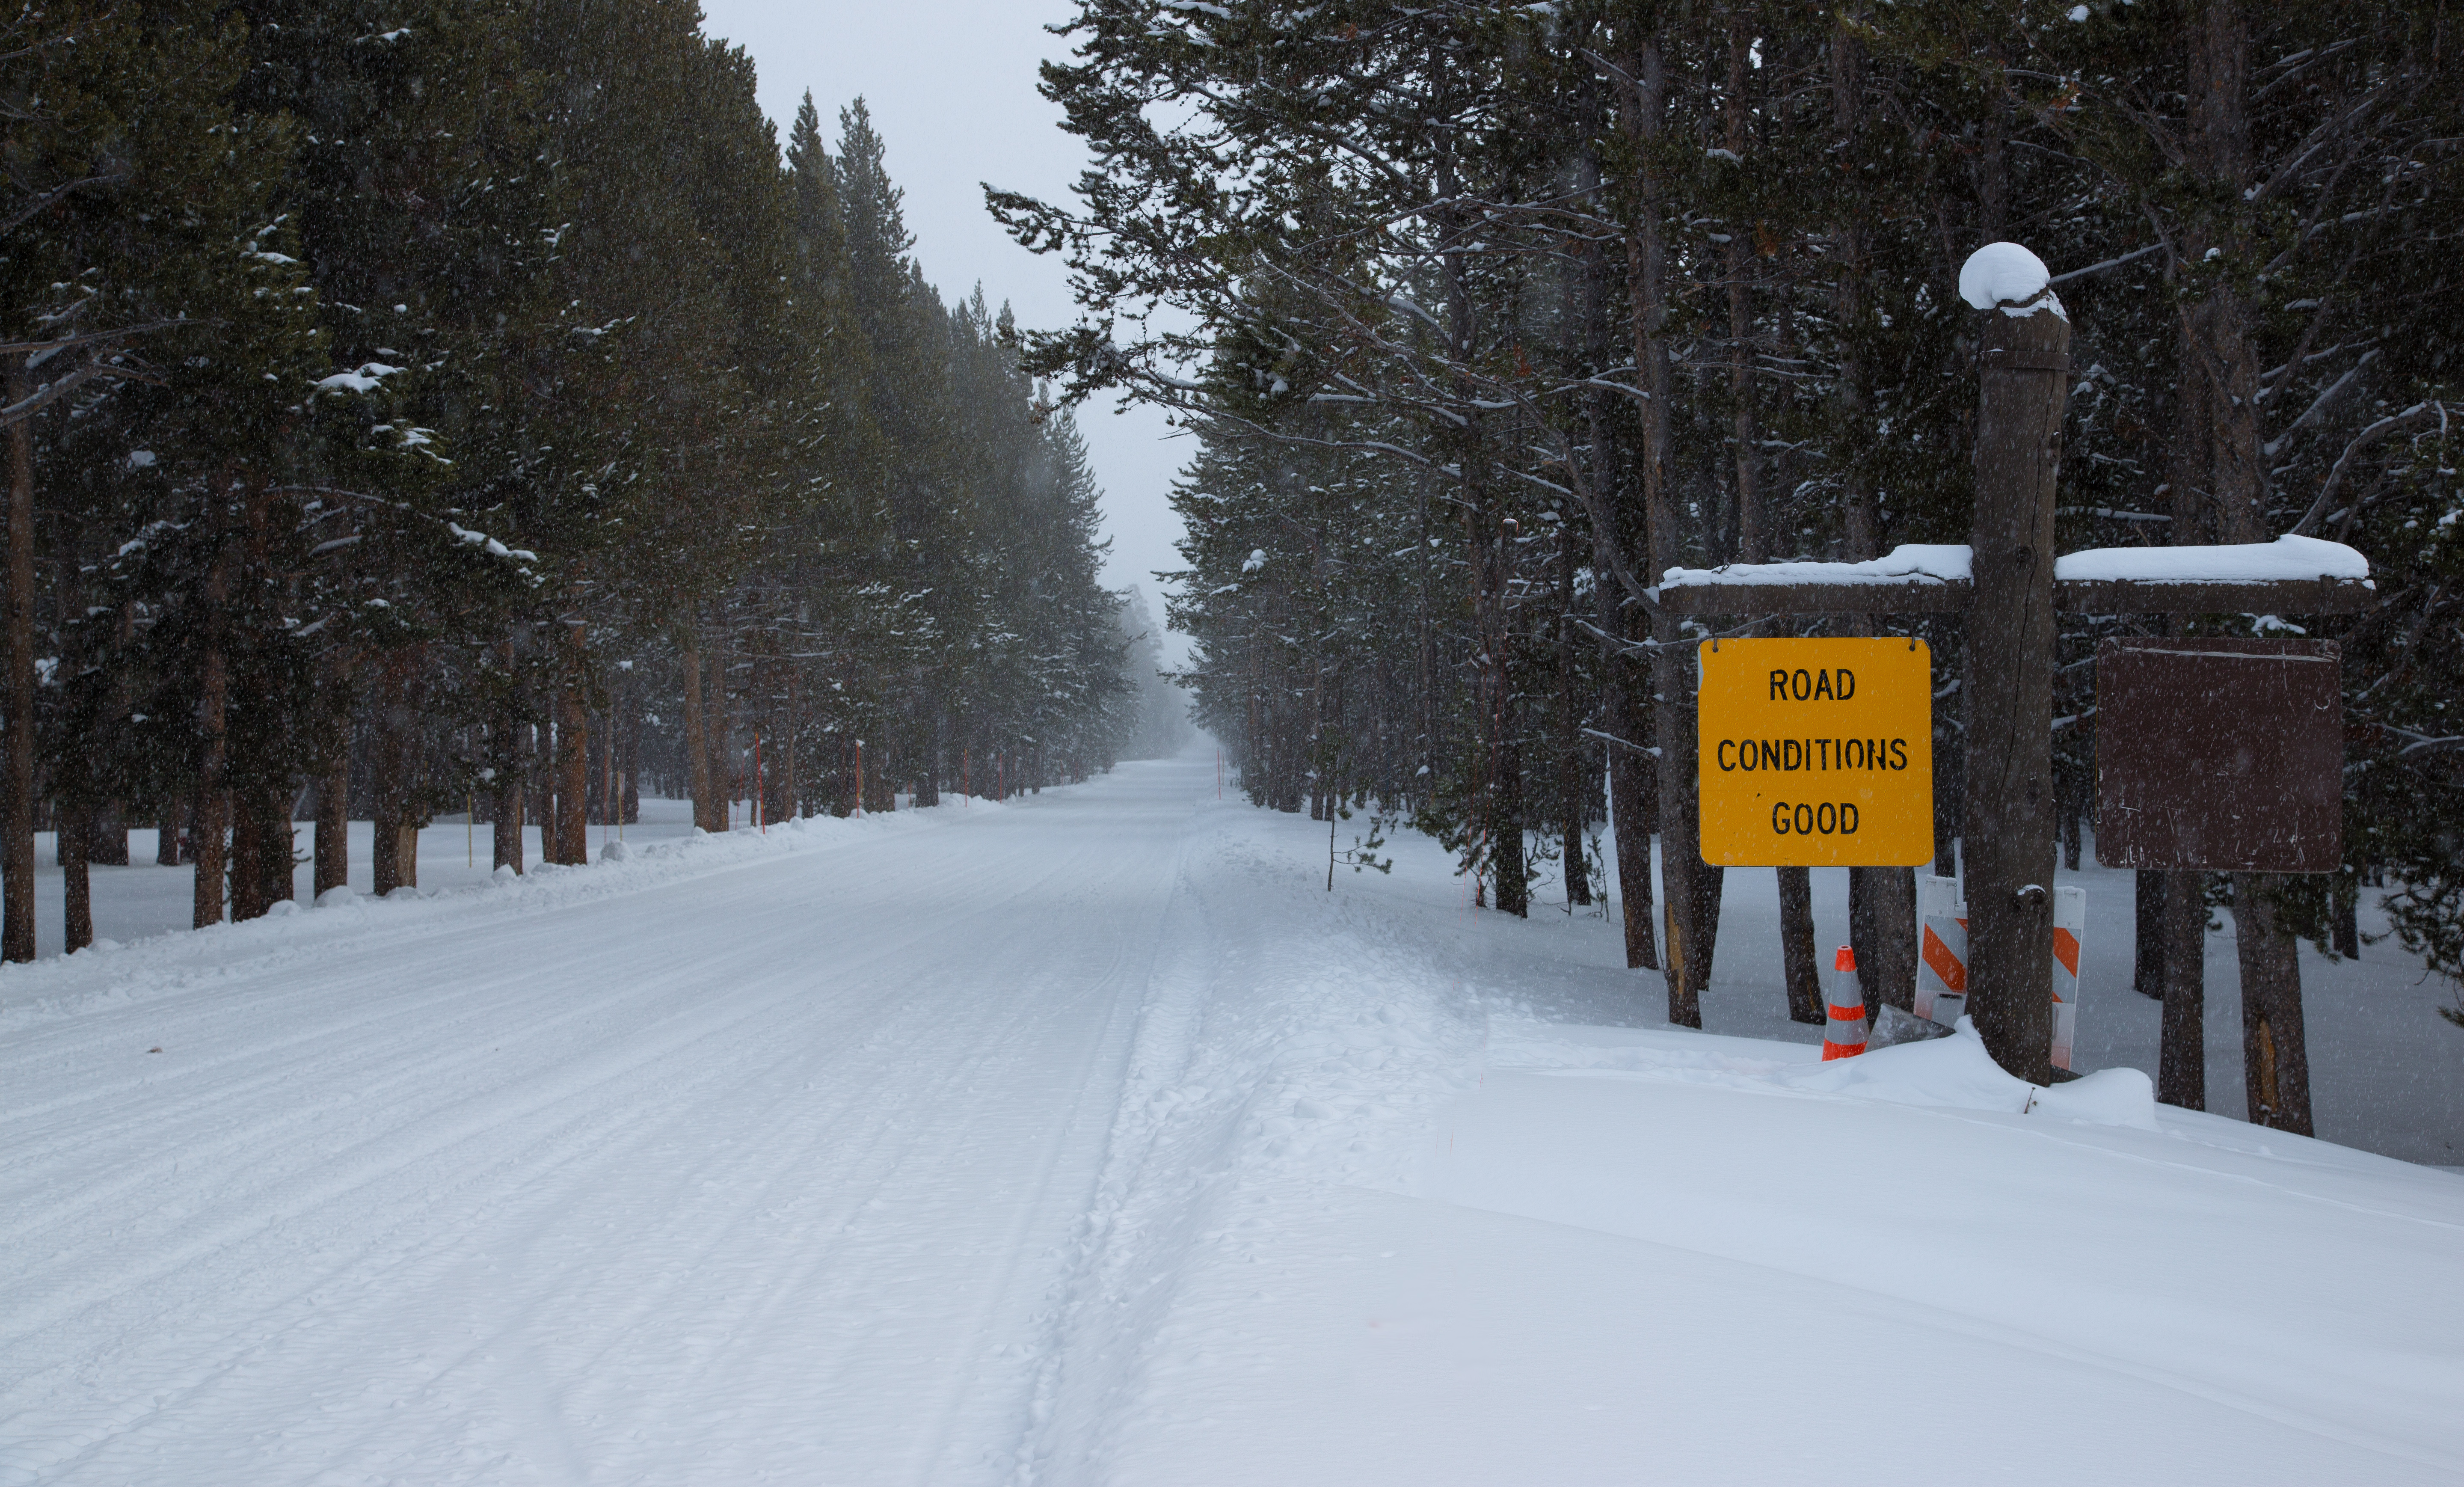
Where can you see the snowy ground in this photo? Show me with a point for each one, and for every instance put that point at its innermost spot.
(2387, 1071)
(1086, 1138)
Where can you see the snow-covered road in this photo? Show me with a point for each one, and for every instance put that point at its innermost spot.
(1087, 1138)
(645, 1186)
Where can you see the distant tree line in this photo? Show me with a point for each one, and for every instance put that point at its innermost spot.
(445, 402)
(1487, 314)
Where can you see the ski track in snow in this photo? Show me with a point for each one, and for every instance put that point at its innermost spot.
(1086, 1138)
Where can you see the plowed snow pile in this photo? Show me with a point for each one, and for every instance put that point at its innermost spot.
(1087, 1138)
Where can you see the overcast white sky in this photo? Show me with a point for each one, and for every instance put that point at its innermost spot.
(951, 89)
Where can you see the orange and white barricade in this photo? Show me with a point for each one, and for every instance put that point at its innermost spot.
(1843, 1032)
(1942, 951)
(2070, 925)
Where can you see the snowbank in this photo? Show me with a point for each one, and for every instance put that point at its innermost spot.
(112, 971)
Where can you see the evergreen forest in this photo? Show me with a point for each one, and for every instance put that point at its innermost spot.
(432, 406)
(1487, 315)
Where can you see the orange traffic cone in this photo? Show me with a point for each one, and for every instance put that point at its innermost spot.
(1843, 1036)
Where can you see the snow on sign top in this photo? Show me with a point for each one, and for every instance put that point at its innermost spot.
(1910, 563)
(2009, 275)
(2287, 558)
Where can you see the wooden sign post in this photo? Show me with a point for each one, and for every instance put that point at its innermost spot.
(2008, 844)
(2009, 583)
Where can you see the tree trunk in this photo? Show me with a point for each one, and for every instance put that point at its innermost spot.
(76, 822)
(206, 827)
(1632, 784)
(544, 791)
(2220, 345)
(1632, 789)
(790, 790)
(107, 843)
(205, 819)
(1860, 509)
(1690, 886)
(718, 733)
(573, 754)
(1797, 951)
(1882, 900)
(1575, 778)
(1883, 926)
(2347, 923)
(261, 844)
(1506, 824)
(606, 783)
(278, 857)
(1743, 434)
(396, 847)
(505, 822)
(385, 848)
(246, 857)
(628, 768)
(18, 810)
(166, 836)
(696, 727)
(2148, 938)
(2275, 1057)
(881, 789)
(928, 781)
(507, 798)
(1710, 884)
(406, 852)
(2182, 1056)
(334, 818)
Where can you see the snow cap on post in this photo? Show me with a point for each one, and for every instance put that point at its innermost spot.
(2010, 276)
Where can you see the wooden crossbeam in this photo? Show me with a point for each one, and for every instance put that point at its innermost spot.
(2071, 596)
(2275, 596)
(1915, 596)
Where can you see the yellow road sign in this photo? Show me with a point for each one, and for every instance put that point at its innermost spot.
(1816, 753)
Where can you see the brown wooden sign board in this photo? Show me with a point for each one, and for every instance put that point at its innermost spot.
(2221, 755)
